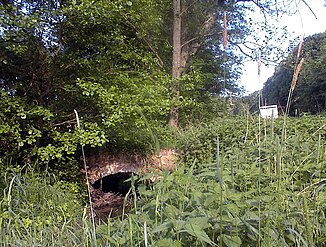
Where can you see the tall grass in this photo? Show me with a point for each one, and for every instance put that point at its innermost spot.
(92, 215)
(189, 207)
(296, 72)
(40, 211)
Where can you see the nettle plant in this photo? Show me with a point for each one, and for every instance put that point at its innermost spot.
(264, 188)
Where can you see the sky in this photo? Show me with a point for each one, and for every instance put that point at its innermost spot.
(303, 23)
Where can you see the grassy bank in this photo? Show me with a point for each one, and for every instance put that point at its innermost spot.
(239, 182)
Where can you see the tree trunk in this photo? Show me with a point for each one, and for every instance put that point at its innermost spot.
(176, 64)
(182, 53)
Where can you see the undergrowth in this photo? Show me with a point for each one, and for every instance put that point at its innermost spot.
(39, 210)
(239, 182)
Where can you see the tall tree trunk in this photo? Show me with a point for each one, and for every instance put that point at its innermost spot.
(176, 64)
(182, 52)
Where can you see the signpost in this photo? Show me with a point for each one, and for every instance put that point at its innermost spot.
(269, 111)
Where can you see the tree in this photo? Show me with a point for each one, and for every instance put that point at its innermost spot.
(121, 73)
(111, 61)
(195, 22)
(193, 25)
(58, 56)
(176, 61)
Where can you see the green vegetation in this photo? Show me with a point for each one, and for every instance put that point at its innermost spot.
(109, 60)
(266, 191)
(130, 74)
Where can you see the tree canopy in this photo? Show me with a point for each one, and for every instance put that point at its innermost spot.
(57, 57)
(112, 62)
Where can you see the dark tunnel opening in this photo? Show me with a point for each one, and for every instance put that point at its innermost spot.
(115, 183)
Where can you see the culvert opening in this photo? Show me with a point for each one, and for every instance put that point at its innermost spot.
(117, 183)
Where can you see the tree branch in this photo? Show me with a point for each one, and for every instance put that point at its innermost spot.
(196, 38)
(264, 60)
(189, 48)
(309, 8)
(154, 51)
(185, 10)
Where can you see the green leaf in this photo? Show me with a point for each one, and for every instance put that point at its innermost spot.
(197, 232)
(163, 227)
(167, 242)
(172, 211)
(201, 222)
(232, 241)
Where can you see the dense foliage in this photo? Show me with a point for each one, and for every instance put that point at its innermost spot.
(264, 185)
(53, 62)
(109, 61)
(310, 91)
(95, 76)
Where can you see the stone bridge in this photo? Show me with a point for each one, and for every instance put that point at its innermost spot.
(101, 165)
(107, 175)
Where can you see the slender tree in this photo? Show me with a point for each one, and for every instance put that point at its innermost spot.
(176, 62)
(183, 48)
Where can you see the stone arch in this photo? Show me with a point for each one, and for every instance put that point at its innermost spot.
(107, 174)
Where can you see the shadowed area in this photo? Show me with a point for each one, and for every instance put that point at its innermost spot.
(114, 183)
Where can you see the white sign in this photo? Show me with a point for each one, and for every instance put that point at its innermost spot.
(269, 111)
